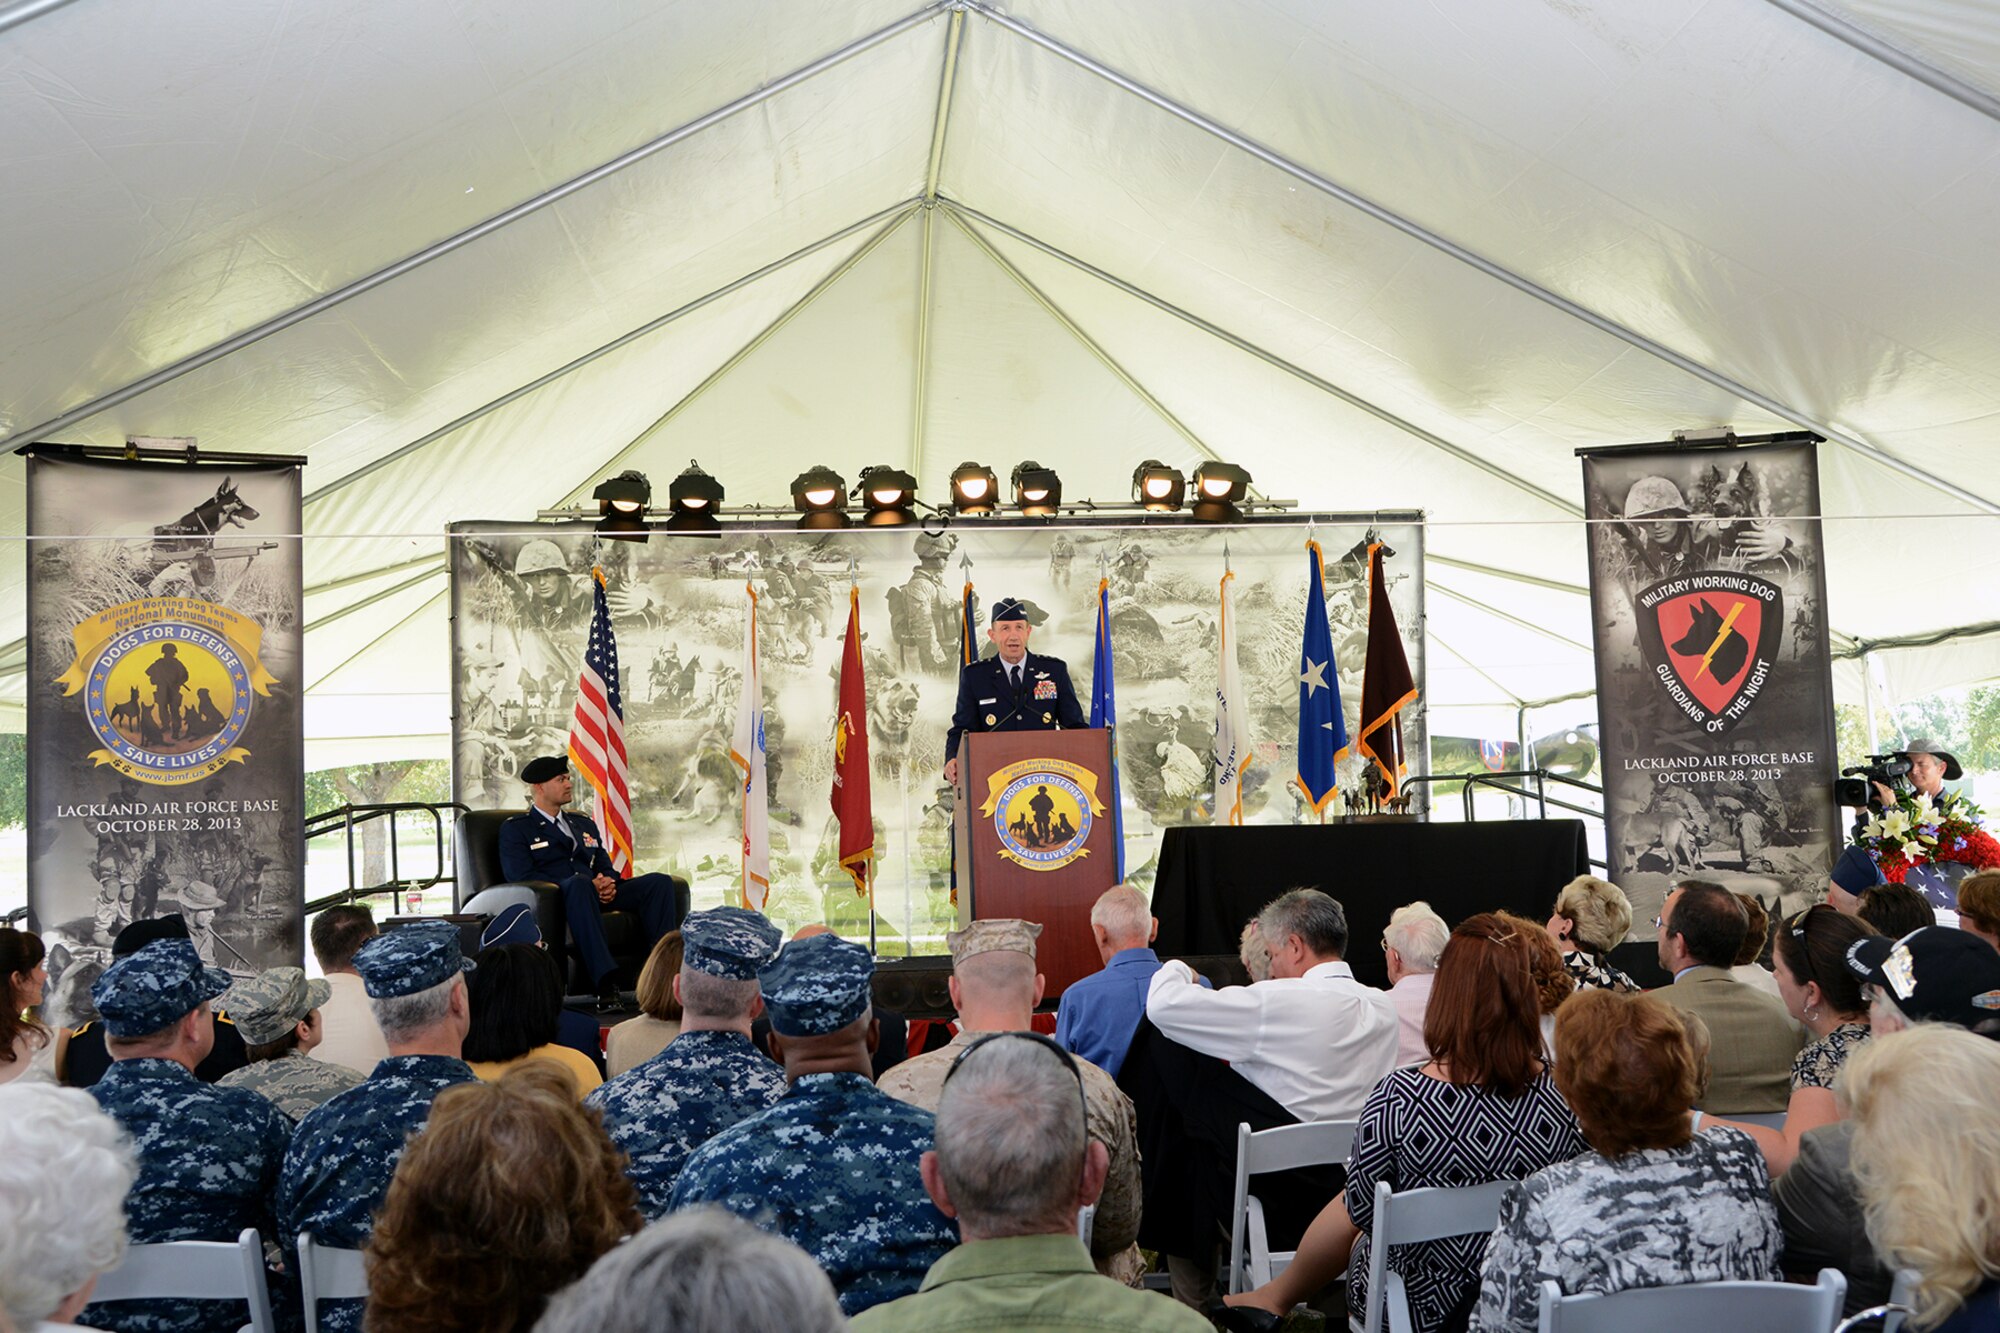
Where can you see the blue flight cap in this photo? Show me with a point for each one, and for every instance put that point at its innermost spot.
(1009, 608)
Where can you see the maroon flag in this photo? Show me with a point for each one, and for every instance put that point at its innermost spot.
(852, 803)
(1386, 684)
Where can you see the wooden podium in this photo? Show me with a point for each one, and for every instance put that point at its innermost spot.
(1036, 838)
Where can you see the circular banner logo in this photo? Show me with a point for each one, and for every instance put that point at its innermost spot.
(1043, 819)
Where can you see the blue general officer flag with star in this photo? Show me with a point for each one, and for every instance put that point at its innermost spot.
(1104, 713)
(1322, 724)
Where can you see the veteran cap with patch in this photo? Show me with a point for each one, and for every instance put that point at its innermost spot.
(543, 768)
(1937, 974)
(816, 986)
(154, 988)
(267, 1006)
(992, 935)
(409, 959)
(729, 942)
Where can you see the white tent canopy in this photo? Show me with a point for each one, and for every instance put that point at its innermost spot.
(468, 260)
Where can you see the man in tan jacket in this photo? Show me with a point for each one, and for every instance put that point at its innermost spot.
(1752, 1040)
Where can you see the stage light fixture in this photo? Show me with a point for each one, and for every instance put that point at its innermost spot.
(694, 498)
(1037, 490)
(820, 496)
(1217, 488)
(1161, 489)
(887, 494)
(974, 489)
(621, 506)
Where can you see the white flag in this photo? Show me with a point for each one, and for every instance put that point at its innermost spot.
(1232, 718)
(747, 750)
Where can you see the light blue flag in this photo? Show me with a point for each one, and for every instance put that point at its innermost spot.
(1104, 713)
(1322, 724)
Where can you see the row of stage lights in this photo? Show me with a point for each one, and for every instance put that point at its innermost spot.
(888, 497)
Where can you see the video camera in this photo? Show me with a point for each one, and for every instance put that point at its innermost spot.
(1852, 787)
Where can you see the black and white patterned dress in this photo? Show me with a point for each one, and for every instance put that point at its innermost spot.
(1590, 971)
(1418, 1132)
(1823, 1057)
(1661, 1217)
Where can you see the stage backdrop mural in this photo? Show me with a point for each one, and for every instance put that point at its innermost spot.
(1714, 690)
(165, 736)
(522, 606)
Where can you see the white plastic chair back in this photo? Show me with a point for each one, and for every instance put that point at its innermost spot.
(328, 1274)
(1251, 1261)
(1772, 1305)
(1413, 1216)
(1902, 1294)
(207, 1270)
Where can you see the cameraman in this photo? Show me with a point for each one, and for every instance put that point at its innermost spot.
(1930, 769)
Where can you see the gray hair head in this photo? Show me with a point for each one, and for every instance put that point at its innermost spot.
(705, 995)
(65, 1167)
(1122, 914)
(1419, 935)
(404, 1018)
(698, 1268)
(1010, 1140)
(1318, 920)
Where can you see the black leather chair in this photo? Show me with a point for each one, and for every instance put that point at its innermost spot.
(476, 852)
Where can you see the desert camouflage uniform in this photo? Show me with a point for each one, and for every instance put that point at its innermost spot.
(295, 1083)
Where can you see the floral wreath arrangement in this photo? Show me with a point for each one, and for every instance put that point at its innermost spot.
(1917, 832)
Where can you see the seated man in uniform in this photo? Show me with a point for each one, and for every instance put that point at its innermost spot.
(1015, 691)
(834, 1166)
(546, 842)
(84, 1057)
(710, 1076)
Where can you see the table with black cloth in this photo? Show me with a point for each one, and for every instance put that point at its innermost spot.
(1212, 880)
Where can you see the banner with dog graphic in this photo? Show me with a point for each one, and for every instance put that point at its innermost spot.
(165, 734)
(1714, 686)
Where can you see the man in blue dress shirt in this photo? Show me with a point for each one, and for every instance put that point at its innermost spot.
(1014, 691)
(1100, 1012)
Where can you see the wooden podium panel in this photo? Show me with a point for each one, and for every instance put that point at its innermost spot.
(1037, 839)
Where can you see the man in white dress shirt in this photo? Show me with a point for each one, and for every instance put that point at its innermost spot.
(352, 1039)
(1412, 945)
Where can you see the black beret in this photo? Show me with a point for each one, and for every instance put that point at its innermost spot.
(544, 768)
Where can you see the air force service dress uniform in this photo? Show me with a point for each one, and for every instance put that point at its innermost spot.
(208, 1156)
(344, 1153)
(703, 1082)
(1033, 695)
(833, 1167)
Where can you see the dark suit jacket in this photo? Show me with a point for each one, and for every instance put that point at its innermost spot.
(1752, 1041)
(983, 693)
(531, 850)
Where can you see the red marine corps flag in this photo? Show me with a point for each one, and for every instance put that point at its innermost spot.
(852, 805)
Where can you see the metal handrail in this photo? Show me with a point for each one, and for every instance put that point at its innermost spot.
(350, 817)
(1541, 776)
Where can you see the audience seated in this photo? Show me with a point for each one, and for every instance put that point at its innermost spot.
(833, 1166)
(1553, 980)
(1927, 1156)
(84, 1057)
(1853, 872)
(1482, 1108)
(1978, 906)
(700, 1269)
(65, 1167)
(1100, 1012)
(515, 924)
(1591, 918)
(208, 1156)
(1411, 945)
(343, 1156)
(1654, 1203)
(640, 1038)
(516, 994)
(1749, 968)
(27, 1047)
(351, 1039)
(995, 988)
(1753, 1041)
(1894, 910)
(511, 1192)
(1015, 1159)
(278, 1013)
(709, 1077)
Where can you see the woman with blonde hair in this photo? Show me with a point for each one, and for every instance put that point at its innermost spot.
(1590, 919)
(509, 1193)
(1926, 1155)
(637, 1040)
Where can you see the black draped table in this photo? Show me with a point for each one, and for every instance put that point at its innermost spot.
(1212, 880)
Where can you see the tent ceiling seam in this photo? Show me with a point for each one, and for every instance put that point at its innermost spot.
(1471, 665)
(1417, 231)
(1511, 619)
(371, 599)
(1895, 57)
(342, 664)
(349, 580)
(347, 292)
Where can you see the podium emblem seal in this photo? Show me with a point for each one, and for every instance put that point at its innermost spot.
(1042, 810)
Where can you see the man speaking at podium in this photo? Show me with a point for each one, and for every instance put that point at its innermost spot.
(1016, 691)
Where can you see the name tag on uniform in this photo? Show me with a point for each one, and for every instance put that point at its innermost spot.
(538, 846)
(1045, 689)
(984, 702)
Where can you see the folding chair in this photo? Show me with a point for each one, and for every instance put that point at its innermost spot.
(1892, 1314)
(208, 1270)
(328, 1274)
(1786, 1305)
(1251, 1262)
(1086, 1223)
(1410, 1217)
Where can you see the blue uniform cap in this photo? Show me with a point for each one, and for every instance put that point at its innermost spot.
(514, 925)
(410, 959)
(1009, 608)
(1856, 870)
(154, 988)
(816, 986)
(731, 942)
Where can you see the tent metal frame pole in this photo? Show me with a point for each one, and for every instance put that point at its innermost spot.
(298, 314)
(348, 581)
(1090, 344)
(1895, 57)
(791, 312)
(947, 85)
(1510, 618)
(13, 16)
(624, 339)
(920, 373)
(372, 598)
(1535, 580)
(1417, 231)
(1269, 358)
(1474, 667)
(341, 665)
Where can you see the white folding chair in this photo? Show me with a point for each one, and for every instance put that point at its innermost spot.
(1902, 1294)
(1763, 1120)
(207, 1270)
(328, 1274)
(1251, 1262)
(1774, 1305)
(1411, 1217)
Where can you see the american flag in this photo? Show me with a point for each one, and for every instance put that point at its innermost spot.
(597, 733)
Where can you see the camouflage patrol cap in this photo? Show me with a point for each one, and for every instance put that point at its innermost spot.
(993, 935)
(155, 987)
(816, 986)
(267, 1006)
(410, 959)
(731, 942)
